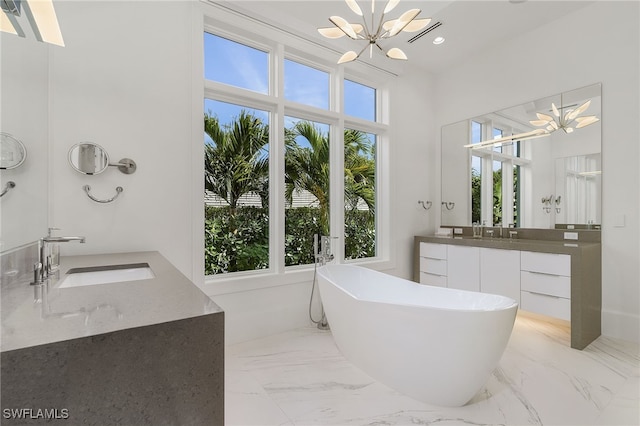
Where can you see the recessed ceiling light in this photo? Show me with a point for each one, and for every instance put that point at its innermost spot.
(438, 40)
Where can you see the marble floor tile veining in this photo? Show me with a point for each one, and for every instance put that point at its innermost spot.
(301, 378)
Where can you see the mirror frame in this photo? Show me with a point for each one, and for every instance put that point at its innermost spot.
(19, 148)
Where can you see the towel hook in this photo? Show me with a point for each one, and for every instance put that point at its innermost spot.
(449, 205)
(425, 204)
(87, 188)
(7, 187)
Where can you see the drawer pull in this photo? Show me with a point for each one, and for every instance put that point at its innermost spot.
(544, 273)
(434, 258)
(544, 294)
(432, 274)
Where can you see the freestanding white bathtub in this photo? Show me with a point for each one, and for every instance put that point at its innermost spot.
(437, 345)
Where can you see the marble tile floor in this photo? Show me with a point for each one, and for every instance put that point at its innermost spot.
(300, 378)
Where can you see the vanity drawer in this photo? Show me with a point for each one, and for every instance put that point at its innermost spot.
(433, 251)
(557, 307)
(549, 263)
(433, 266)
(433, 279)
(553, 285)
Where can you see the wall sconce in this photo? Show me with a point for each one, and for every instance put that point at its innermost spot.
(40, 14)
(448, 205)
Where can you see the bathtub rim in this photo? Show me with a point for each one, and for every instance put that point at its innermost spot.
(515, 304)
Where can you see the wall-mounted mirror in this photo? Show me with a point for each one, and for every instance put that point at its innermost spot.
(550, 180)
(24, 114)
(88, 158)
(12, 152)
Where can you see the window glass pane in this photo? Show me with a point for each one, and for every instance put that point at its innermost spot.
(359, 100)
(236, 146)
(306, 188)
(235, 64)
(497, 133)
(359, 194)
(476, 132)
(476, 189)
(306, 85)
(516, 196)
(497, 192)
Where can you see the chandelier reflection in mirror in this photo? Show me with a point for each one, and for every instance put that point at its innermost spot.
(40, 14)
(564, 120)
(372, 33)
(568, 118)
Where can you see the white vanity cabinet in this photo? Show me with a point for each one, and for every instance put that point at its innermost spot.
(545, 282)
(500, 272)
(433, 264)
(549, 277)
(463, 267)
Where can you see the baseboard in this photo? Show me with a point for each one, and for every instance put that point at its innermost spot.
(621, 325)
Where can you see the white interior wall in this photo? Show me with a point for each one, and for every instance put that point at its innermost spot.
(456, 167)
(123, 81)
(606, 50)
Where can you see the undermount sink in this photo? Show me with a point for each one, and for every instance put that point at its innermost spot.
(94, 275)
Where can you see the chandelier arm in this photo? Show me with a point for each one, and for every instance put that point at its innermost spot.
(381, 49)
(342, 29)
(362, 51)
(378, 35)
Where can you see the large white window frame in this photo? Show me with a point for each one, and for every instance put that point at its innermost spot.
(280, 47)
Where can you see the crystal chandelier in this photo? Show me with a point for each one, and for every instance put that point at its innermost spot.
(371, 33)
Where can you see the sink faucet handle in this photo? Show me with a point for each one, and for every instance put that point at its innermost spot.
(37, 273)
(52, 229)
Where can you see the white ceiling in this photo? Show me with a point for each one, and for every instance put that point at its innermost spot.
(468, 26)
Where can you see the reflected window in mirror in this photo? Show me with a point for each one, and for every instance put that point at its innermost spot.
(541, 167)
(495, 194)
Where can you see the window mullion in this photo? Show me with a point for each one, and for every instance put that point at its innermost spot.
(336, 187)
(277, 179)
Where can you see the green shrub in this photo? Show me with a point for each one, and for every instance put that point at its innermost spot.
(241, 242)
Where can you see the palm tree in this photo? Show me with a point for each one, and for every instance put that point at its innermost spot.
(307, 168)
(359, 169)
(237, 162)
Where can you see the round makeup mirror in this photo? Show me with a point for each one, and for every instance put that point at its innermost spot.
(12, 152)
(88, 158)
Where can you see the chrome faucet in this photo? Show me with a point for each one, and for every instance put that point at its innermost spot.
(42, 269)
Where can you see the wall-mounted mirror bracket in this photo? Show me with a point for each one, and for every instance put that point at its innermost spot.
(126, 166)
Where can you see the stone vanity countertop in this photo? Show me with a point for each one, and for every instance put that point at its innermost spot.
(543, 246)
(75, 312)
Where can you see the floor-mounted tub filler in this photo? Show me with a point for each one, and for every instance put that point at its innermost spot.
(437, 345)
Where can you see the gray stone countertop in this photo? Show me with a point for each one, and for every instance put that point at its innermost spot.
(544, 246)
(69, 313)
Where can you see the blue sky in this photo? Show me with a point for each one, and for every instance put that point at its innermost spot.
(235, 64)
